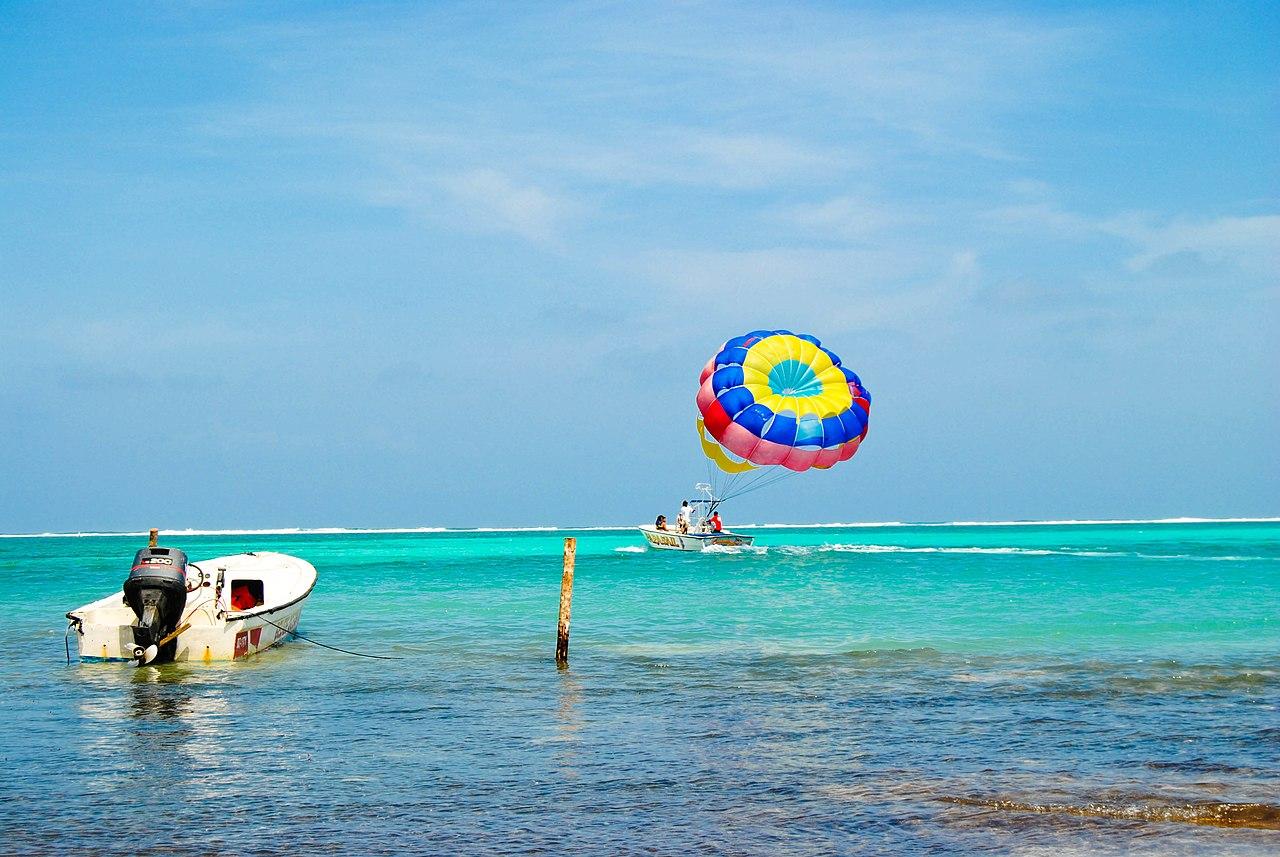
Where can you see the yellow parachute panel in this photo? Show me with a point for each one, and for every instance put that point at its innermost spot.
(717, 454)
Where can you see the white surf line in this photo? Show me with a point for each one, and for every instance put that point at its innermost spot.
(311, 531)
(318, 531)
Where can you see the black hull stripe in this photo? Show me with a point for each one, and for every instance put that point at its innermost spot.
(249, 614)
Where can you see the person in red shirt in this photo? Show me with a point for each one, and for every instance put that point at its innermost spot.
(716, 525)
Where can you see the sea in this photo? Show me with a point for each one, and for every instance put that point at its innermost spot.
(1028, 688)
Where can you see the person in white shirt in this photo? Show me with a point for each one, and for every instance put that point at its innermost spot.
(682, 519)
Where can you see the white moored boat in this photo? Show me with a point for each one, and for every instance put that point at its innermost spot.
(700, 535)
(214, 610)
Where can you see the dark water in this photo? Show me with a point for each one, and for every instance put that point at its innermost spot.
(910, 690)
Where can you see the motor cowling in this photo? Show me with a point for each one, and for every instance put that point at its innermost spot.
(156, 591)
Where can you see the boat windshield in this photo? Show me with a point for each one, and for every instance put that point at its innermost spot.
(701, 509)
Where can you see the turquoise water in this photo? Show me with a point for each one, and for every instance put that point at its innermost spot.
(906, 689)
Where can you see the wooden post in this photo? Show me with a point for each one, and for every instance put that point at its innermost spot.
(566, 602)
(151, 541)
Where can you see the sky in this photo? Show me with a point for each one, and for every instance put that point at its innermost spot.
(460, 264)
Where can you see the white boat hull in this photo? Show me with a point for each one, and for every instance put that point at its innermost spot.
(104, 628)
(673, 540)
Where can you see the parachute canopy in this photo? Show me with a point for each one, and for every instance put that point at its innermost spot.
(773, 397)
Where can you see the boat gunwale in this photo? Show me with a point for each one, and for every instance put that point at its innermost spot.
(263, 611)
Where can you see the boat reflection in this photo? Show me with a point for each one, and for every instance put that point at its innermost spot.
(168, 721)
(568, 724)
(162, 693)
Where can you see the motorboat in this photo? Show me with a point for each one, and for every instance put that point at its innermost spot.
(699, 535)
(218, 609)
(673, 540)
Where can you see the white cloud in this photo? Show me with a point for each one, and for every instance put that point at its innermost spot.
(119, 340)
(1042, 218)
(492, 201)
(1250, 243)
(750, 160)
(666, 154)
(847, 217)
(813, 288)
(849, 144)
(658, 94)
(1030, 188)
(935, 79)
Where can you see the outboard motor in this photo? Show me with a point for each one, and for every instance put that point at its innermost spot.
(157, 592)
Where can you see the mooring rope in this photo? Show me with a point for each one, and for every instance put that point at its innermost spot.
(326, 646)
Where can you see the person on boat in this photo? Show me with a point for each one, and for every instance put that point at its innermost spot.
(661, 523)
(716, 525)
(682, 519)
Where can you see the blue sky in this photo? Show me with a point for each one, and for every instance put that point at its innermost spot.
(460, 264)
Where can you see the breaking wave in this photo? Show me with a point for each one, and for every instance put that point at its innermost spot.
(861, 548)
(306, 531)
(1062, 523)
(808, 550)
(737, 549)
(311, 531)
